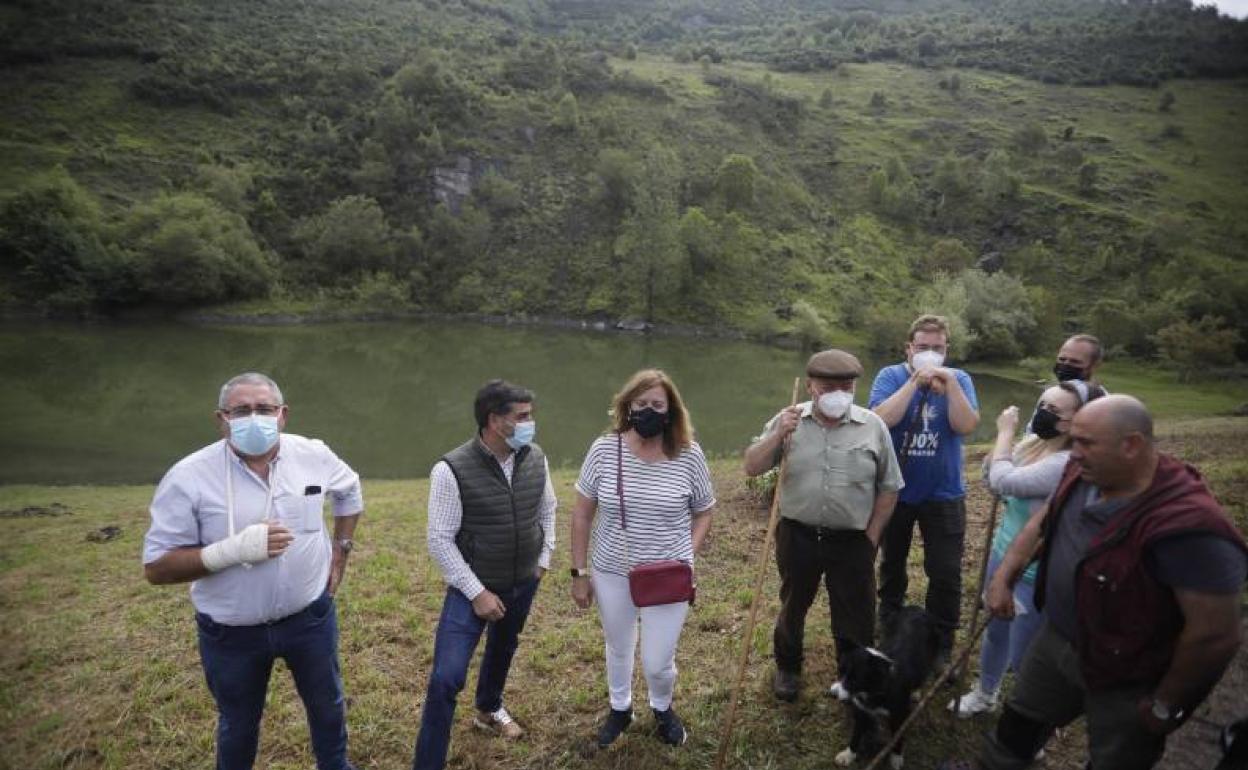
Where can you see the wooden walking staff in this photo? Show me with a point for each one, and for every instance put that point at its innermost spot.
(979, 594)
(927, 696)
(748, 638)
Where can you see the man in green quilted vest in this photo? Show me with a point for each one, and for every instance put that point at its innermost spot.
(492, 532)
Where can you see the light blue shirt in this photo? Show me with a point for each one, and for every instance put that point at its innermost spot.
(189, 509)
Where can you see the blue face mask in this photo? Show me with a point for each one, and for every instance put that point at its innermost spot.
(522, 435)
(255, 434)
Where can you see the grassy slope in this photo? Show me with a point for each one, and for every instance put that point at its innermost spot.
(99, 669)
(84, 117)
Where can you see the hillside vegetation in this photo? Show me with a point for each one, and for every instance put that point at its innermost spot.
(796, 169)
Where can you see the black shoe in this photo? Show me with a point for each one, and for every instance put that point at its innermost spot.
(671, 731)
(616, 723)
(785, 684)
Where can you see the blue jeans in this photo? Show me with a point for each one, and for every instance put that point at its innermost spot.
(459, 630)
(1007, 640)
(237, 662)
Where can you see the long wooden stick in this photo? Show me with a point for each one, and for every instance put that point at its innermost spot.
(983, 578)
(927, 697)
(748, 638)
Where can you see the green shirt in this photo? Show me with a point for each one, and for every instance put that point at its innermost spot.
(835, 472)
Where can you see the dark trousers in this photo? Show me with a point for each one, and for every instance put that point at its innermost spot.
(459, 630)
(845, 560)
(943, 526)
(237, 663)
(1049, 693)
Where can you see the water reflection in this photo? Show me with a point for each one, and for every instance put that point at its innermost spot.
(119, 404)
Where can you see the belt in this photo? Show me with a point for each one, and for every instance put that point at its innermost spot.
(819, 533)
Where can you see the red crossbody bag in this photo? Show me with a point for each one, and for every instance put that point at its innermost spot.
(657, 582)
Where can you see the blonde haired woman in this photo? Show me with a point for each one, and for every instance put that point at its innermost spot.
(650, 459)
(1024, 476)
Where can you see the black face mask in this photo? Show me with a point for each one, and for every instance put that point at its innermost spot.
(647, 422)
(1044, 424)
(1066, 372)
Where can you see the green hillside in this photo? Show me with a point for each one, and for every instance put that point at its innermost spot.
(783, 169)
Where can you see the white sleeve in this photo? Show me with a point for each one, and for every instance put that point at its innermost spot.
(446, 515)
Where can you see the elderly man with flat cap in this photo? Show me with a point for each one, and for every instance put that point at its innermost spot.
(839, 491)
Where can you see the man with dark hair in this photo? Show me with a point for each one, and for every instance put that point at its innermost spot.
(1078, 358)
(1140, 577)
(492, 531)
(928, 408)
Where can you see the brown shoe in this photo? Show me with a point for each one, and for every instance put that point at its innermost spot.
(498, 722)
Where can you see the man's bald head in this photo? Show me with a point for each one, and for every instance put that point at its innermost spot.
(1124, 414)
(1113, 442)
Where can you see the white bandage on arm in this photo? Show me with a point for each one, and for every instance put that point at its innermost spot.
(247, 547)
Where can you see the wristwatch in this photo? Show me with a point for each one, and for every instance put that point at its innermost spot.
(345, 543)
(578, 572)
(1165, 712)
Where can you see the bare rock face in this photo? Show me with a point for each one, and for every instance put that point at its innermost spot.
(453, 184)
(990, 262)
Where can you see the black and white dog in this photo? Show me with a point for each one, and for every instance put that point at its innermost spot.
(878, 684)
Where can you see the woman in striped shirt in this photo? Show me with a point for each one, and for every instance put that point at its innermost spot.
(649, 456)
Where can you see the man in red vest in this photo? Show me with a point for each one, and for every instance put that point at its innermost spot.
(1140, 578)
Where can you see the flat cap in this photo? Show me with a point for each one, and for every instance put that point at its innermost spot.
(834, 365)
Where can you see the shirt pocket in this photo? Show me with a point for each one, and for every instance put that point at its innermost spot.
(301, 513)
(853, 467)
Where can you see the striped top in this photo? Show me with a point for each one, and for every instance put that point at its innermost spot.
(660, 499)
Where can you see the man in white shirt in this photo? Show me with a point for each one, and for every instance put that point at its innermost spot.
(243, 521)
(492, 531)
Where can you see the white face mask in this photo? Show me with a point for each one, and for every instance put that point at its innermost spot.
(836, 403)
(927, 359)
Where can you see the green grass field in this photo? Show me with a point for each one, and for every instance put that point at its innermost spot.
(99, 670)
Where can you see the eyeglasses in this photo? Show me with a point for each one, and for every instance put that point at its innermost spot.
(657, 405)
(922, 348)
(246, 410)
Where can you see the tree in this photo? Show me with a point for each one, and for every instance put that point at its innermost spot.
(998, 314)
(189, 250)
(947, 255)
(946, 295)
(350, 237)
(1195, 347)
(735, 181)
(616, 174)
(998, 182)
(653, 264)
(699, 237)
(567, 116)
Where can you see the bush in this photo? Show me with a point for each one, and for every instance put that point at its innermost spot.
(1030, 139)
(809, 324)
(55, 256)
(189, 250)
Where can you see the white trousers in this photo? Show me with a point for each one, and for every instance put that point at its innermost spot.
(660, 630)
